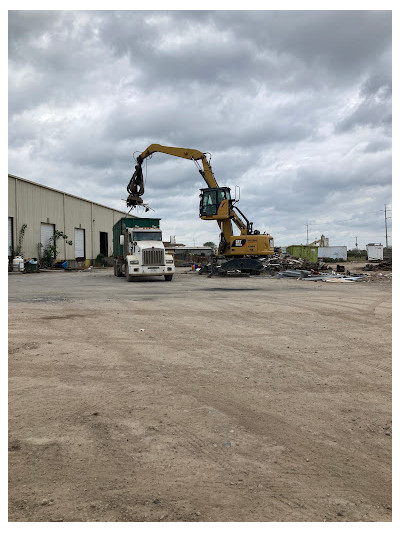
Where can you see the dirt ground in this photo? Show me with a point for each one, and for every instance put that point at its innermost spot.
(204, 399)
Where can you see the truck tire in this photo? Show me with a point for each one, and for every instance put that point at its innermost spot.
(128, 277)
(117, 269)
(168, 277)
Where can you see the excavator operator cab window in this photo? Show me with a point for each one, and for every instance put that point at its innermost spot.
(210, 200)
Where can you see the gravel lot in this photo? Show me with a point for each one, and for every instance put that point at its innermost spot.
(203, 399)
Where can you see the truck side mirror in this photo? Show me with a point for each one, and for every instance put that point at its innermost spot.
(121, 240)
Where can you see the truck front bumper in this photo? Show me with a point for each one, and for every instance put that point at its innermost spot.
(137, 270)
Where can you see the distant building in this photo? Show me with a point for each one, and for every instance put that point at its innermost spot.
(314, 252)
(189, 253)
(322, 241)
(44, 210)
(332, 252)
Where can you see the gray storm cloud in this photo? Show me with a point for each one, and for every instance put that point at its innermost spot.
(294, 106)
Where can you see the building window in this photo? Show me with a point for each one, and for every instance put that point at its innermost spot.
(104, 243)
(80, 244)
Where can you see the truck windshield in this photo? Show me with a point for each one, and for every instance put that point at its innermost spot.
(147, 236)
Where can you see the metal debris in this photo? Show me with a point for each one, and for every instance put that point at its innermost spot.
(382, 265)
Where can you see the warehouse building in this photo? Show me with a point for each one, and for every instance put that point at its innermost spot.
(44, 210)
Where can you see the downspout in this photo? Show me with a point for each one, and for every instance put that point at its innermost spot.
(91, 225)
(65, 245)
(15, 226)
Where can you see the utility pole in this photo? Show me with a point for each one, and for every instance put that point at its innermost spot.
(307, 232)
(356, 243)
(386, 228)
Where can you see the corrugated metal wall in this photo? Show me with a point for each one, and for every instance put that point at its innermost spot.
(306, 252)
(33, 204)
(333, 252)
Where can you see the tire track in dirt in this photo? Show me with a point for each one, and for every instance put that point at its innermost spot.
(197, 447)
(204, 368)
(286, 431)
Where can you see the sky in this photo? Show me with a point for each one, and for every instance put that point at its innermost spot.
(294, 107)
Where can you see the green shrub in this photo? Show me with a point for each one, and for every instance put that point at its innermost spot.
(99, 261)
(50, 252)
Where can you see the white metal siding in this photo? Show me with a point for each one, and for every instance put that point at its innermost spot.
(46, 233)
(30, 203)
(79, 242)
(375, 252)
(9, 235)
(334, 252)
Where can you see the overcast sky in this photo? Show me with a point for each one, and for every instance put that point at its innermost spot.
(293, 106)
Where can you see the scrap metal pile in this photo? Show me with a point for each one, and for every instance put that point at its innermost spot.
(382, 265)
(281, 261)
(284, 265)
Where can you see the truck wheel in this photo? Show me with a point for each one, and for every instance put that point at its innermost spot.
(168, 277)
(128, 277)
(117, 270)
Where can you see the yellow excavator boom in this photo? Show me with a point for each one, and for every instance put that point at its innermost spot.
(216, 204)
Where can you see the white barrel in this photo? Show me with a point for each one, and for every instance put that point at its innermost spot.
(18, 264)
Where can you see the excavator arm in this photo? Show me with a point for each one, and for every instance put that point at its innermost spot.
(216, 204)
(136, 184)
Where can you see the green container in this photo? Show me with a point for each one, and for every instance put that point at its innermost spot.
(130, 223)
(304, 252)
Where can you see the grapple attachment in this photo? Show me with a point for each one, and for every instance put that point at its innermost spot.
(135, 187)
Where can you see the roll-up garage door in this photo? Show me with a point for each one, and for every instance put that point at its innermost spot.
(46, 234)
(79, 243)
(10, 236)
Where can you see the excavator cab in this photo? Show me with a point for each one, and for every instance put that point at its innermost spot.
(211, 198)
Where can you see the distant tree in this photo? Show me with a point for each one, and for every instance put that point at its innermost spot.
(356, 252)
(211, 245)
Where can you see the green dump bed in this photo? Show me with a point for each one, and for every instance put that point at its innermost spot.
(130, 223)
(308, 252)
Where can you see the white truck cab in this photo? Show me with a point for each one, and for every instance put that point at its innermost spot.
(144, 255)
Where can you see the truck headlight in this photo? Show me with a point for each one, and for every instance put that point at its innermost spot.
(134, 262)
(169, 261)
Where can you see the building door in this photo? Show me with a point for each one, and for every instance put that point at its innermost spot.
(79, 244)
(46, 236)
(104, 243)
(10, 236)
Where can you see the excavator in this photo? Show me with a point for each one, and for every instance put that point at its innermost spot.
(240, 252)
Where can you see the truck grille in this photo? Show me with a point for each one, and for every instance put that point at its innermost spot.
(153, 257)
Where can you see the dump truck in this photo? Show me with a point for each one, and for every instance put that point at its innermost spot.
(139, 250)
